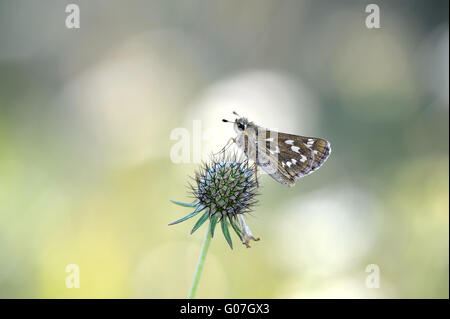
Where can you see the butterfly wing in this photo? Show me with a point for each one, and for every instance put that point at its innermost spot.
(302, 155)
(285, 157)
(264, 157)
(296, 156)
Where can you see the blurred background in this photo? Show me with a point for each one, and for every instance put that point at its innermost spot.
(87, 120)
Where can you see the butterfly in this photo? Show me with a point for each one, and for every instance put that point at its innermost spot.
(285, 157)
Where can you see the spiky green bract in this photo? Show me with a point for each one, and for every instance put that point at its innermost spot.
(226, 187)
(200, 222)
(183, 204)
(225, 232)
(212, 224)
(235, 227)
(197, 210)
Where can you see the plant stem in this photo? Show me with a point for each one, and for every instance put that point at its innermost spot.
(200, 264)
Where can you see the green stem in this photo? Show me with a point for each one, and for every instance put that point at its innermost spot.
(200, 264)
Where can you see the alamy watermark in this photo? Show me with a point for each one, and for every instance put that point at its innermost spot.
(73, 17)
(373, 18)
(373, 279)
(73, 278)
(255, 143)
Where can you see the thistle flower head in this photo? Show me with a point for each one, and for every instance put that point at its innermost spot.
(226, 190)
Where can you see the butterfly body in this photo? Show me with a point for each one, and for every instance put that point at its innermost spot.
(285, 157)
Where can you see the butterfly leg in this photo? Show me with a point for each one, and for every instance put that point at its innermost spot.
(232, 139)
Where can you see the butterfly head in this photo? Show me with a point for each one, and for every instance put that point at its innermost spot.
(240, 124)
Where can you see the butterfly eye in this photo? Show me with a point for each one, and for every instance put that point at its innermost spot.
(241, 126)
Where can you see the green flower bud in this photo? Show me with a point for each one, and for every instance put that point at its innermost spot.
(226, 190)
